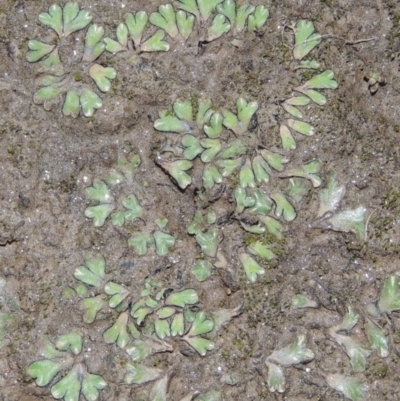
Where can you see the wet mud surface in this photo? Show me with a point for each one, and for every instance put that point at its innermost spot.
(48, 160)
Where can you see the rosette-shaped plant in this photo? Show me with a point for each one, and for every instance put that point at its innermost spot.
(144, 322)
(66, 78)
(223, 148)
(75, 379)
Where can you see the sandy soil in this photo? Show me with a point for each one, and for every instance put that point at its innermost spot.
(47, 161)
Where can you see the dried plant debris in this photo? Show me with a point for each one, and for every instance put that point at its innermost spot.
(350, 220)
(292, 354)
(330, 196)
(61, 357)
(377, 338)
(351, 387)
(389, 299)
(341, 333)
(353, 220)
(301, 301)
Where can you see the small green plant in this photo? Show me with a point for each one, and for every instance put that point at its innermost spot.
(60, 357)
(100, 192)
(162, 240)
(233, 161)
(251, 267)
(132, 32)
(143, 325)
(237, 15)
(305, 39)
(57, 80)
(127, 210)
(93, 272)
(309, 171)
(198, 135)
(297, 189)
(202, 270)
(174, 23)
(375, 80)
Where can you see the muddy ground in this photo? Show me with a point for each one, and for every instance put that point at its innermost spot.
(48, 160)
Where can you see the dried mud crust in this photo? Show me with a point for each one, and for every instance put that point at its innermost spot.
(47, 160)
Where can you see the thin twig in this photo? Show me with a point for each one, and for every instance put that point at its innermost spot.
(348, 42)
(366, 224)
